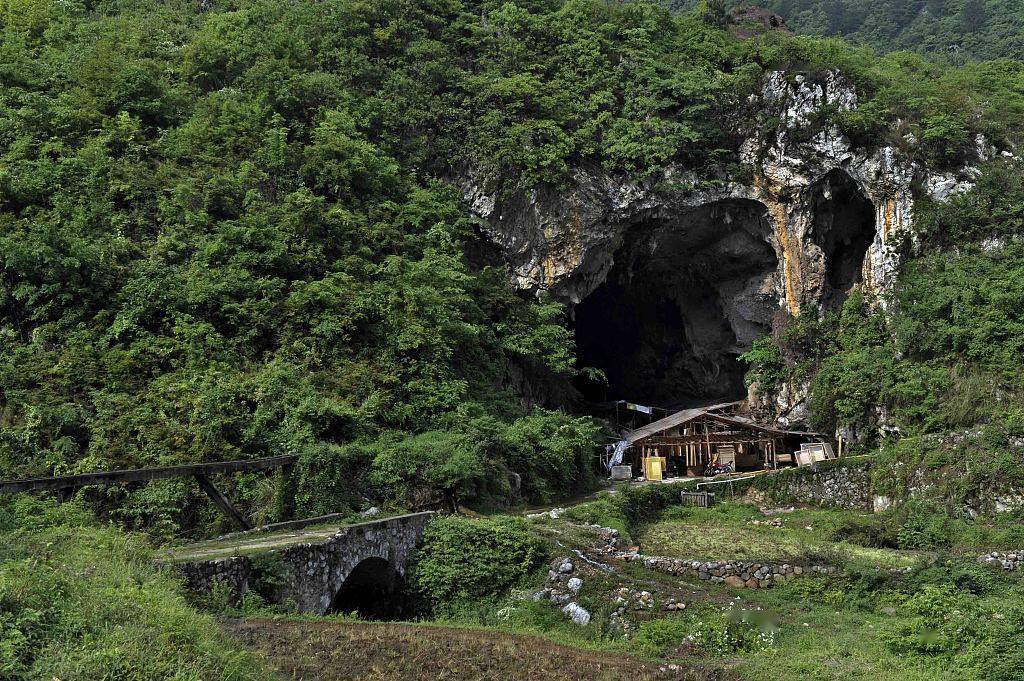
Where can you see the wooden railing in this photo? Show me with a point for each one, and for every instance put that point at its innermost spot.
(199, 471)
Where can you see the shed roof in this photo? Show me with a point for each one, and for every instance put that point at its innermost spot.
(673, 420)
(712, 411)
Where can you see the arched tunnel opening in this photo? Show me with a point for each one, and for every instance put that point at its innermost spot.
(843, 228)
(374, 590)
(685, 297)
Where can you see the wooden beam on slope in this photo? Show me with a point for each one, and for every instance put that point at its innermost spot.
(225, 504)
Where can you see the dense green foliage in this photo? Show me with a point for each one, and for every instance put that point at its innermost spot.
(219, 245)
(234, 232)
(467, 462)
(949, 30)
(465, 560)
(236, 229)
(82, 601)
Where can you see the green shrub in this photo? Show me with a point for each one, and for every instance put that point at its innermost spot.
(873, 531)
(659, 637)
(940, 621)
(327, 479)
(641, 503)
(767, 367)
(922, 526)
(603, 511)
(414, 469)
(713, 631)
(463, 560)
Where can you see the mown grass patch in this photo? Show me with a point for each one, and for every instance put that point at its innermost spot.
(344, 650)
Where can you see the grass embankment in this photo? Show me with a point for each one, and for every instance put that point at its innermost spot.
(84, 601)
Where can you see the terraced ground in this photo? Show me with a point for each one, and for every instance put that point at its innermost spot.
(861, 624)
(865, 623)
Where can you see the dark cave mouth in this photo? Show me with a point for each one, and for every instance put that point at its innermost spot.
(684, 299)
(687, 296)
(843, 228)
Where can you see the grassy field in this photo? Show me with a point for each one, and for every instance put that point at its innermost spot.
(948, 618)
(945, 618)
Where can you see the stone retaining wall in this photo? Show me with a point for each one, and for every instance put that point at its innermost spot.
(844, 486)
(232, 573)
(848, 484)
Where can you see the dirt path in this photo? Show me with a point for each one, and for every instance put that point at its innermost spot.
(333, 650)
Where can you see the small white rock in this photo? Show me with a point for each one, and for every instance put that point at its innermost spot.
(577, 614)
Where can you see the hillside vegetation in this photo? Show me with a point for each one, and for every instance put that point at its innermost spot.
(82, 601)
(945, 356)
(236, 229)
(951, 31)
(233, 232)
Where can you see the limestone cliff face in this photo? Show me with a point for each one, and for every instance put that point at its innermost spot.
(808, 217)
(564, 240)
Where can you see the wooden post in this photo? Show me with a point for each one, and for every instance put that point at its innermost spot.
(218, 498)
(707, 436)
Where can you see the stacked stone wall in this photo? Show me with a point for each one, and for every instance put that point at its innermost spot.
(846, 485)
(739, 574)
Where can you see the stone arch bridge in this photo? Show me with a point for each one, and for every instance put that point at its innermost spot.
(321, 570)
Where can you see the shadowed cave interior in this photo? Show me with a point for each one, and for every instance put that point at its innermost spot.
(843, 228)
(687, 295)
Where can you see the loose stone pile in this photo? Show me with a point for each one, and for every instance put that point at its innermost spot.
(732, 573)
(1010, 560)
(626, 600)
(561, 588)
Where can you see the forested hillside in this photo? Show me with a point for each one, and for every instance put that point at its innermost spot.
(237, 228)
(953, 31)
(231, 232)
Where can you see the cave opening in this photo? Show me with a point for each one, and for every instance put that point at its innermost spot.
(843, 227)
(685, 297)
(373, 590)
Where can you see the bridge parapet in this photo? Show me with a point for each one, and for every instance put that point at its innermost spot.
(309, 568)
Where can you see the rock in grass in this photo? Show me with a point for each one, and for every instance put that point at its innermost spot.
(577, 614)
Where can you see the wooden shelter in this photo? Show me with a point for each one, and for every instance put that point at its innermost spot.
(686, 442)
